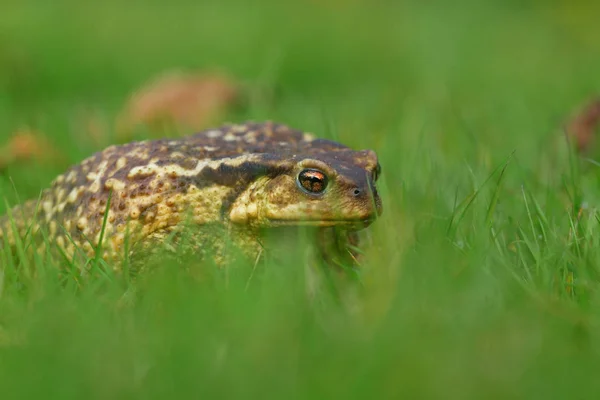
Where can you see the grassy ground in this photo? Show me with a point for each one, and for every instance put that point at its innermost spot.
(482, 276)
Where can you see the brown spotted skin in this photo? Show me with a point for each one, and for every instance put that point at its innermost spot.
(243, 177)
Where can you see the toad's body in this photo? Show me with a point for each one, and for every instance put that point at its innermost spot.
(247, 176)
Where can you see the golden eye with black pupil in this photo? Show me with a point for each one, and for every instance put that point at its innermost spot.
(312, 181)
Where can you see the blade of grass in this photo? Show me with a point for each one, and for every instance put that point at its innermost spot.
(464, 205)
(99, 246)
(496, 194)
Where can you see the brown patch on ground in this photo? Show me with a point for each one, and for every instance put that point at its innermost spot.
(183, 101)
(583, 127)
(26, 145)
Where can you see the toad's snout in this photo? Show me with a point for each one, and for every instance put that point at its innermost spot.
(369, 197)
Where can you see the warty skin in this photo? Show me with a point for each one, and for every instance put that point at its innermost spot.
(245, 177)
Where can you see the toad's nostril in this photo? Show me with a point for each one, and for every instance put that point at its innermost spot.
(357, 192)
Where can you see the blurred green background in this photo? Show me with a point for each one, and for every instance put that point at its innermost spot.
(481, 278)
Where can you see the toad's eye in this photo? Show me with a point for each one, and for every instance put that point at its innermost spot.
(312, 181)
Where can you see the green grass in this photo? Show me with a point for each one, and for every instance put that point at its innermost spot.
(481, 279)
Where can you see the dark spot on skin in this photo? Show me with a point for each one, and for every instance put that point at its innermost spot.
(69, 208)
(328, 145)
(147, 209)
(228, 201)
(227, 175)
(189, 163)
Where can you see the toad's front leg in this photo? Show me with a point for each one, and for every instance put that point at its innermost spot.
(188, 245)
(339, 247)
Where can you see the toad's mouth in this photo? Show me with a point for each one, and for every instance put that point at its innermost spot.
(351, 224)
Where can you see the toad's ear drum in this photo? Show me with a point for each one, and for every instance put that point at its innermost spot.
(312, 181)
